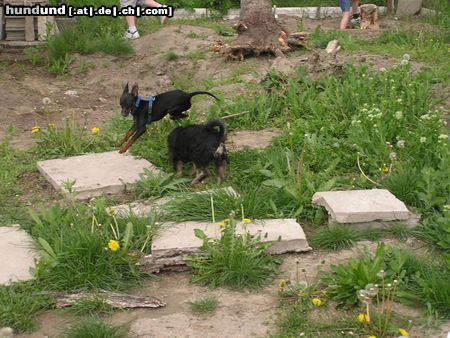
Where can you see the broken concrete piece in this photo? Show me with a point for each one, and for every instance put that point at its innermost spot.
(408, 7)
(359, 206)
(95, 174)
(17, 255)
(177, 240)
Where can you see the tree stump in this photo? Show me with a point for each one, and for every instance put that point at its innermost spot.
(259, 33)
(369, 17)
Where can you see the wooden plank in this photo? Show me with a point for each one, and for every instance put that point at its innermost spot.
(12, 23)
(29, 24)
(15, 36)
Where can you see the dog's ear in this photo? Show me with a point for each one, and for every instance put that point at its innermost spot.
(125, 89)
(135, 90)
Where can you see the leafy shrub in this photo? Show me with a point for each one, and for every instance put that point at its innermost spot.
(346, 279)
(239, 261)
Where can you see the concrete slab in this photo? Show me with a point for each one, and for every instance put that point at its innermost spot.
(95, 174)
(142, 208)
(179, 238)
(359, 206)
(17, 255)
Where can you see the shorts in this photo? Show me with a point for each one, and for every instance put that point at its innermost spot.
(132, 3)
(345, 5)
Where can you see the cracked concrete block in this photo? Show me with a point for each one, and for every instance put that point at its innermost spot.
(359, 206)
(95, 174)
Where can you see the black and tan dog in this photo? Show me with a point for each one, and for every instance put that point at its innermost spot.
(200, 145)
(149, 109)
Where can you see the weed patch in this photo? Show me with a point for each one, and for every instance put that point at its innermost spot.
(238, 261)
(87, 247)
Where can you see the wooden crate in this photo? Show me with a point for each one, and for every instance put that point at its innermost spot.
(24, 28)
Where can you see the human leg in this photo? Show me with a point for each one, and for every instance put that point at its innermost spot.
(345, 7)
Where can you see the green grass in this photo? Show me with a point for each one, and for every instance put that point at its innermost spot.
(204, 305)
(94, 328)
(335, 237)
(68, 140)
(74, 246)
(20, 303)
(14, 163)
(93, 306)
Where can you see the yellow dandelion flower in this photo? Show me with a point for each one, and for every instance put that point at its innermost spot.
(113, 245)
(35, 129)
(95, 130)
(221, 224)
(403, 332)
(372, 337)
(363, 318)
(282, 284)
(317, 301)
(51, 126)
(386, 170)
(111, 211)
(247, 220)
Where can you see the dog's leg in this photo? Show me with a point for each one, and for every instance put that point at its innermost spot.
(204, 173)
(179, 168)
(221, 171)
(133, 139)
(127, 136)
(194, 170)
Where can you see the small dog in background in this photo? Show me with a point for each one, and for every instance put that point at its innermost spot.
(149, 109)
(201, 145)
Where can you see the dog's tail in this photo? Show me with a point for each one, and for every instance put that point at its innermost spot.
(213, 124)
(203, 92)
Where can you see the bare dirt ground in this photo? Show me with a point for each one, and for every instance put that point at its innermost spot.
(22, 90)
(239, 314)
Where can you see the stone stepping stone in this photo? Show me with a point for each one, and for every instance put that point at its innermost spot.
(17, 255)
(253, 139)
(95, 174)
(142, 208)
(178, 239)
(360, 206)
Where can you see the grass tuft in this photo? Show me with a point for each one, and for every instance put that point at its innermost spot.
(335, 237)
(94, 328)
(204, 305)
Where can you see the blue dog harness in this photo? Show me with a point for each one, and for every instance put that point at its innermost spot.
(148, 99)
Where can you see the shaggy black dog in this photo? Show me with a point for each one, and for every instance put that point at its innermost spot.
(201, 145)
